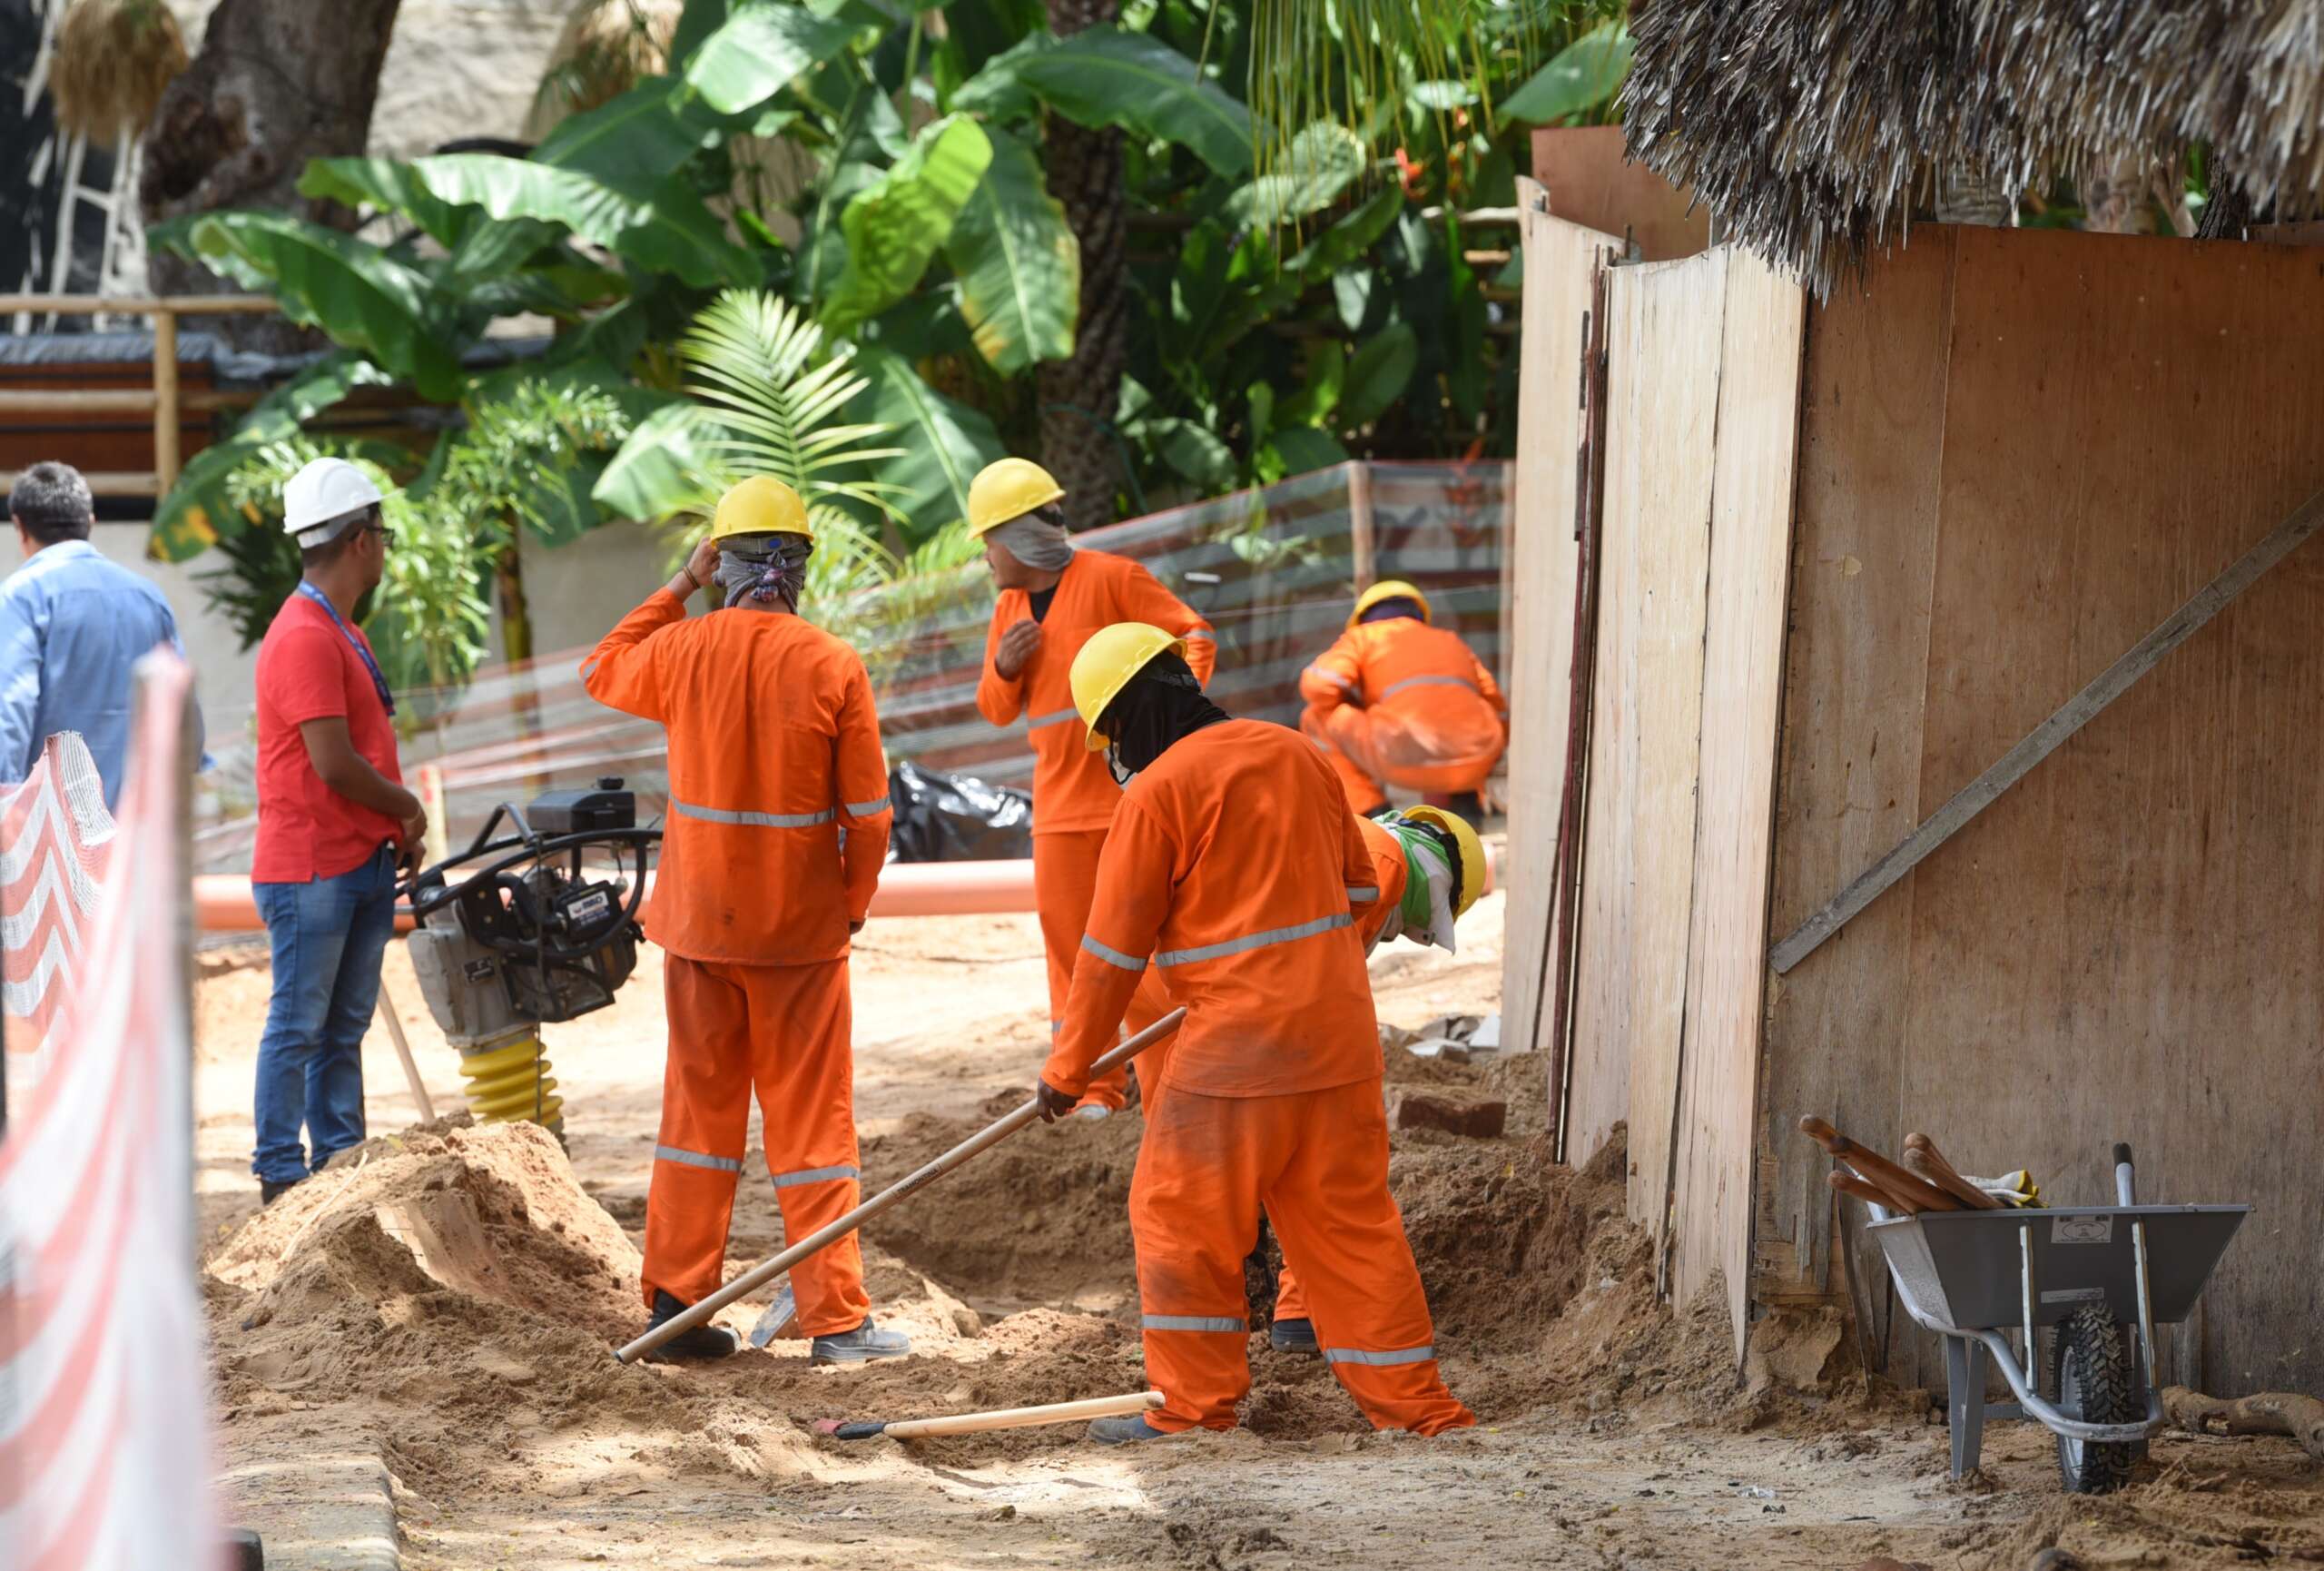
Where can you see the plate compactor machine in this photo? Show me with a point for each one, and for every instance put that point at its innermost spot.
(535, 923)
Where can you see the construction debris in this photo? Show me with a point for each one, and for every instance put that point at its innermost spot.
(1474, 1120)
(2263, 1413)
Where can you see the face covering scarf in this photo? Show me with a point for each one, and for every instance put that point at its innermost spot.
(1162, 702)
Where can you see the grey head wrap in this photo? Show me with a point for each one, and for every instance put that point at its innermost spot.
(762, 568)
(1036, 541)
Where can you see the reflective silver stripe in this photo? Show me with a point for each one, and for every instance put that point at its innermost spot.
(588, 670)
(1201, 633)
(696, 1159)
(815, 1175)
(1054, 1025)
(1419, 1355)
(1112, 956)
(1395, 687)
(1345, 686)
(1363, 893)
(1194, 1323)
(1059, 719)
(865, 809)
(1250, 940)
(757, 820)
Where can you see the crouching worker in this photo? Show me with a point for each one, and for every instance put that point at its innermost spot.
(1399, 701)
(1235, 868)
(775, 750)
(1431, 868)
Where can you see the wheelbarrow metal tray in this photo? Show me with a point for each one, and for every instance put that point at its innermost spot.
(1962, 1270)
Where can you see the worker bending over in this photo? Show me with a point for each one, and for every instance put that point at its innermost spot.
(774, 749)
(1400, 701)
(1431, 868)
(1235, 869)
(1053, 597)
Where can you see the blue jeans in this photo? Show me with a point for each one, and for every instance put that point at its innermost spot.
(328, 937)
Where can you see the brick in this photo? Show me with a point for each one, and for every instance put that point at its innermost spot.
(1476, 1119)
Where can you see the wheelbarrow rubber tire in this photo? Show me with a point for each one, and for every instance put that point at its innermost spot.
(2089, 1371)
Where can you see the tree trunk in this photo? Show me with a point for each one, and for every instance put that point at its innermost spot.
(278, 82)
(1080, 395)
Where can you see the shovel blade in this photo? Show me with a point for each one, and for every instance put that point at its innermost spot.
(780, 1315)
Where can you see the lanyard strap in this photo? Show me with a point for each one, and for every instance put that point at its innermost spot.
(379, 677)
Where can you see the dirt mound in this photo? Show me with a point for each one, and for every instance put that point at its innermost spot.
(2223, 1503)
(1043, 1217)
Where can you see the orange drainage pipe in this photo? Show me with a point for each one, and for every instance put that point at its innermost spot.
(222, 902)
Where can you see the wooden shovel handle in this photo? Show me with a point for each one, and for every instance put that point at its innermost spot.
(1922, 1157)
(1901, 1185)
(1847, 1183)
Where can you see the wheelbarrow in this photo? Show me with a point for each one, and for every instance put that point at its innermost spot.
(2092, 1274)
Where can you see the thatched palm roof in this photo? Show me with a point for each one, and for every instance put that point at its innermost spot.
(1815, 130)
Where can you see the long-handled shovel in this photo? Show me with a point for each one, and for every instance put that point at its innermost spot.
(979, 1423)
(992, 1134)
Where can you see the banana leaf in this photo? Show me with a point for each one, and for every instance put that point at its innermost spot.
(639, 137)
(1104, 76)
(1017, 261)
(663, 227)
(757, 50)
(1586, 74)
(944, 442)
(898, 223)
(1323, 161)
(1377, 373)
(358, 294)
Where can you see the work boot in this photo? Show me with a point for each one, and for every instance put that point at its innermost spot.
(273, 1190)
(862, 1344)
(1296, 1336)
(1122, 1431)
(1468, 804)
(703, 1341)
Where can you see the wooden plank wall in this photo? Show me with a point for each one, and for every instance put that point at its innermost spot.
(1742, 683)
(2130, 944)
(1665, 322)
(1538, 563)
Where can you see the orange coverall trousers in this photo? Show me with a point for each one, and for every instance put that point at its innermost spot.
(1318, 1161)
(783, 1031)
(1371, 748)
(1065, 882)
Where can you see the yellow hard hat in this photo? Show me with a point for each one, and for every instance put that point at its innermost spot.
(1106, 663)
(1387, 589)
(1007, 489)
(1474, 871)
(760, 504)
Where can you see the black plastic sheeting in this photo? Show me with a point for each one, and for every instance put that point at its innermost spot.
(954, 818)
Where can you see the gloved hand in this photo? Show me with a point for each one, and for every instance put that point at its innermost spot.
(1055, 1103)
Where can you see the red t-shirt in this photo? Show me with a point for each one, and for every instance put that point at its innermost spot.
(307, 670)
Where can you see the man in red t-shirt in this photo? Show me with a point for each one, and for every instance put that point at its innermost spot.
(334, 823)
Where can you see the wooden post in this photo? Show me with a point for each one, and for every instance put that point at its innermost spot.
(1359, 522)
(166, 400)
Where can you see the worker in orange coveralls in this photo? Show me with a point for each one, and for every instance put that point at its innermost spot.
(1398, 701)
(1235, 868)
(1431, 868)
(774, 749)
(1053, 596)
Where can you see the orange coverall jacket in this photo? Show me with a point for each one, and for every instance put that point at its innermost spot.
(1253, 929)
(1390, 872)
(1433, 719)
(1072, 788)
(775, 747)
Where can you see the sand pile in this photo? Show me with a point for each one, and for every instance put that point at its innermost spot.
(2223, 1503)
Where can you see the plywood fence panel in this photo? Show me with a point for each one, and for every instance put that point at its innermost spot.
(1872, 421)
(1742, 686)
(1538, 557)
(1665, 323)
(2126, 945)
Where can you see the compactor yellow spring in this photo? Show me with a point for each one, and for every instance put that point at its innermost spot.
(509, 1083)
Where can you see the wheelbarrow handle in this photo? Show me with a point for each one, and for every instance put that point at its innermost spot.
(2125, 1182)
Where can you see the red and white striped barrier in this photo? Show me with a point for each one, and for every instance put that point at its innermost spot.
(104, 1461)
(53, 831)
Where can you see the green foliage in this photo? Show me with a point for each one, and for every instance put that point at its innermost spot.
(869, 307)
(1586, 75)
(429, 619)
(1018, 265)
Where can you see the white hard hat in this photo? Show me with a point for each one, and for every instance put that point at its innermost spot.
(325, 490)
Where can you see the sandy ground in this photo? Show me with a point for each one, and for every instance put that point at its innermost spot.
(446, 1300)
